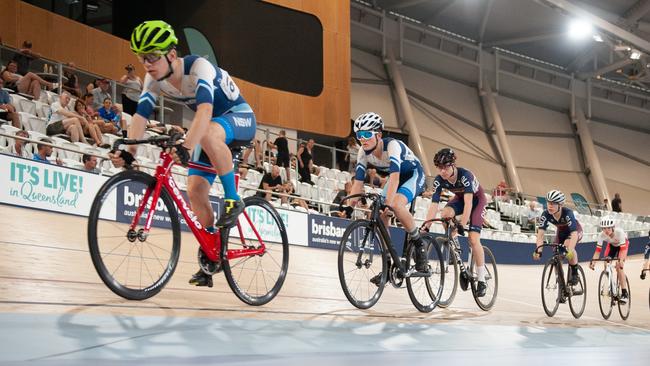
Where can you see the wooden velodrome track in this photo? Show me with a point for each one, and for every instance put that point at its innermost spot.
(54, 309)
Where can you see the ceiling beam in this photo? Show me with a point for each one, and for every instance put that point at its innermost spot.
(486, 16)
(637, 11)
(598, 22)
(611, 67)
(527, 39)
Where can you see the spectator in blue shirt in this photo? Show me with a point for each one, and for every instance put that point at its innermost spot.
(9, 110)
(111, 113)
(44, 152)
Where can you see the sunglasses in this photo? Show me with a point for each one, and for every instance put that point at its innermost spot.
(149, 57)
(365, 135)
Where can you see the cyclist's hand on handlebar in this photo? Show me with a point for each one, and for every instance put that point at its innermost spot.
(537, 254)
(461, 230)
(121, 158)
(181, 155)
(592, 265)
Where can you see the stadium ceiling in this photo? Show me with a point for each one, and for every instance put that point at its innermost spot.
(591, 38)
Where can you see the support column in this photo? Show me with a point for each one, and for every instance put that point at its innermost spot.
(415, 141)
(492, 111)
(594, 173)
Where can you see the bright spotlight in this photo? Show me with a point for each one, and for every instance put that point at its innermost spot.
(635, 55)
(579, 29)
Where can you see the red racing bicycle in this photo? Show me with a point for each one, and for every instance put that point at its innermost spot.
(134, 236)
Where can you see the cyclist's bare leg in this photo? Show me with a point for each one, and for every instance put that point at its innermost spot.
(477, 248)
(214, 145)
(402, 213)
(621, 273)
(571, 248)
(198, 190)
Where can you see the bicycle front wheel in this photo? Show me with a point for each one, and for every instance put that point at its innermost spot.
(425, 292)
(363, 264)
(551, 287)
(605, 301)
(133, 264)
(624, 309)
(256, 280)
(578, 295)
(491, 280)
(450, 270)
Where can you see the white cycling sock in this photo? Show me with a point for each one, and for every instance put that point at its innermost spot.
(481, 273)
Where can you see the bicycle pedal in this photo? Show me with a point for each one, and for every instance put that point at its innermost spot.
(420, 274)
(463, 281)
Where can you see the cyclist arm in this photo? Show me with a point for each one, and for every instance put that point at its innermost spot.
(599, 248)
(540, 238)
(464, 219)
(431, 213)
(200, 125)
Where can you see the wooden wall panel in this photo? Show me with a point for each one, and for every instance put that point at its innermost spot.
(62, 39)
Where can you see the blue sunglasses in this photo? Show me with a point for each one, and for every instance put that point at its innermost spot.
(365, 134)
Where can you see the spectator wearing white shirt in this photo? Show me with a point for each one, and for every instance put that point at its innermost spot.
(18, 148)
(64, 121)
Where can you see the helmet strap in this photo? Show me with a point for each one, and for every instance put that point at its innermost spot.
(170, 69)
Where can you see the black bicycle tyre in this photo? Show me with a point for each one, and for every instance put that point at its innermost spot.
(582, 281)
(227, 269)
(604, 280)
(488, 256)
(434, 295)
(93, 246)
(628, 304)
(384, 266)
(449, 255)
(550, 271)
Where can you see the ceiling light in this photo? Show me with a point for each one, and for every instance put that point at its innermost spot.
(598, 38)
(635, 55)
(580, 29)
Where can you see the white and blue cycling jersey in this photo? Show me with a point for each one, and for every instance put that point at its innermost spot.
(395, 157)
(203, 82)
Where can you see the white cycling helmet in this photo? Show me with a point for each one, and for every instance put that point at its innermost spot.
(555, 196)
(368, 122)
(606, 222)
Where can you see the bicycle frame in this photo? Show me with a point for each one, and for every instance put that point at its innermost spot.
(612, 273)
(210, 242)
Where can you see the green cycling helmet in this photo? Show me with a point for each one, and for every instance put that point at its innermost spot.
(153, 36)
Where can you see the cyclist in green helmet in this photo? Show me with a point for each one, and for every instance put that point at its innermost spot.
(222, 117)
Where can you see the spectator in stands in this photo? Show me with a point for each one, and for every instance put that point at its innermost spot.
(282, 145)
(347, 210)
(617, 203)
(25, 56)
(646, 257)
(256, 149)
(534, 211)
(91, 86)
(30, 83)
(373, 179)
(18, 148)
(90, 163)
(111, 114)
(89, 101)
(500, 191)
(62, 121)
(72, 85)
(100, 93)
(44, 152)
(305, 161)
(131, 93)
(9, 110)
(606, 205)
(351, 156)
(90, 128)
(271, 182)
(295, 199)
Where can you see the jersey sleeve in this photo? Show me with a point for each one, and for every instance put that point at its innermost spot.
(437, 189)
(600, 241)
(620, 236)
(395, 152)
(544, 220)
(468, 182)
(360, 171)
(148, 97)
(205, 74)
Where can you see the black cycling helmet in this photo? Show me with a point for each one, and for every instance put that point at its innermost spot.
(444, 157)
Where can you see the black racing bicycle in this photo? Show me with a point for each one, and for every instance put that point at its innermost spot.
(457, 272)
(556, 288)
(367, 261)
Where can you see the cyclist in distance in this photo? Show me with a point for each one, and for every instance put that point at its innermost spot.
(469, 201)
(617, 245)
(405, 179)
(646, 256)
(221, 117)
(569, 230)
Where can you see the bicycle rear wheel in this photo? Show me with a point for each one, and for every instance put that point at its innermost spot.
(491, 280)
(578, 295)
(450, 270)
(605, 301)
(256, 280)
(425, 291)
(132, 264)
(550, 287)
(624, 309)
(362, 258)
